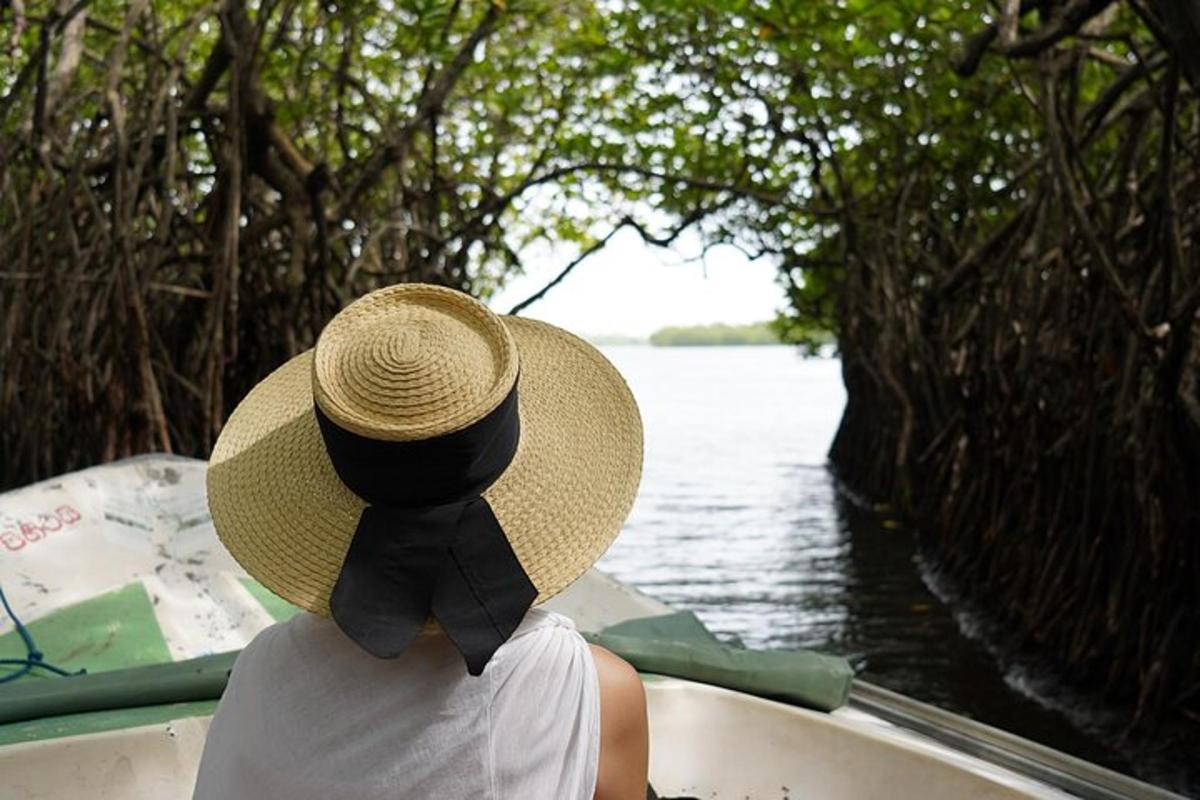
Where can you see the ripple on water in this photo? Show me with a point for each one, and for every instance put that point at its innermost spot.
(738, 520)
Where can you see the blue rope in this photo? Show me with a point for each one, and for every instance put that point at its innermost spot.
(34, 657)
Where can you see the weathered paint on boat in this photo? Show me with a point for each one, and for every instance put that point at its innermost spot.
(135, 536)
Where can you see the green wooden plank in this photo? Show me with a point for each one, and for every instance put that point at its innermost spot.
(68, 706)
(99, 721)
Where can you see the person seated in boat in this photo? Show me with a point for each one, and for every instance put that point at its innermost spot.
(417, 484)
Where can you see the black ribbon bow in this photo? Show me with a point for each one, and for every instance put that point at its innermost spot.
(428, 543)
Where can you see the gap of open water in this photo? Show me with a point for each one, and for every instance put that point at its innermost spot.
(740, 520)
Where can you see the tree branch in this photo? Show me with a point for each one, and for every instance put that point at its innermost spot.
(1066, 23)
(430, 102)
(596, 246)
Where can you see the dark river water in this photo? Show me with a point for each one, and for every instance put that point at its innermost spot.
(739, 520)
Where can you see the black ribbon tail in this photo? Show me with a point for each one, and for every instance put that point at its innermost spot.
(429, 543)
(384, 593)
(482, 592)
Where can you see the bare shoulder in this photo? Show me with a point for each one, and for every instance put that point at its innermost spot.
(624, 729)
(616, 675)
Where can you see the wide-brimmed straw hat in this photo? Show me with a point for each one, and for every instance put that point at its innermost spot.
(411, 365)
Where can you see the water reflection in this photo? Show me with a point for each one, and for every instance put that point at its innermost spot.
(739, 520)
(736, 517)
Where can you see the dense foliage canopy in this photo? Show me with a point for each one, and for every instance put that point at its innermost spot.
(189, 190)
(993, 204)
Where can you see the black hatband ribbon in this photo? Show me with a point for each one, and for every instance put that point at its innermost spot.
(428, 542)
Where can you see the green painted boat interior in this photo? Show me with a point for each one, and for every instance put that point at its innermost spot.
(117, 639)
(279, 609)
(112, 631)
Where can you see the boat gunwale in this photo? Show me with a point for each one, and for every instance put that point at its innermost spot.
(1022, 756)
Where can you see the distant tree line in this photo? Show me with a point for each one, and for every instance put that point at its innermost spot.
(758, 333)
(718, 334)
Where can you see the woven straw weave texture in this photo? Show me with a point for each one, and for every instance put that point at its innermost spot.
(411, 362)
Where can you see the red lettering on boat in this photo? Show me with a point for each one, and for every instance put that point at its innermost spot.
(15, 534)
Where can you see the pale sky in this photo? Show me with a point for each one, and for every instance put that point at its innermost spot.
(633, 289)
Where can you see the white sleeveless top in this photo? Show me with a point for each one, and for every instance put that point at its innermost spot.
(308, 714)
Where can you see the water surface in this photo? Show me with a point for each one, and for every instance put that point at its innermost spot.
(739, 520)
